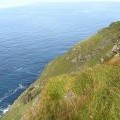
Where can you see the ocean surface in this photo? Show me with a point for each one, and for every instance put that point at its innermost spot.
(31, 36)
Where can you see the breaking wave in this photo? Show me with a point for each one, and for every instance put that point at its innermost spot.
(4, 109)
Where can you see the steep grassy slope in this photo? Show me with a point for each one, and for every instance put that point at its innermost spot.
(91, 94)
(76, 86)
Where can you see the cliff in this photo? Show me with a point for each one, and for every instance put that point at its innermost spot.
(82, 84)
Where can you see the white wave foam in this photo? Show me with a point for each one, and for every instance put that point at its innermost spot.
(19, 69)
(21, 86)
(6, 109)
(11, 92)
(29, 72)
(24, 70)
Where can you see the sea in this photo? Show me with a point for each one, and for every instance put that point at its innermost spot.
(33, 35)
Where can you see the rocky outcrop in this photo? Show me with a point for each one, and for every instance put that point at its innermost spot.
(116, 47)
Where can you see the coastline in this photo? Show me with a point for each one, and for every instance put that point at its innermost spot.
(81, 61)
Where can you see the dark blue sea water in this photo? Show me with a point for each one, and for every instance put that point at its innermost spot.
(31, 36)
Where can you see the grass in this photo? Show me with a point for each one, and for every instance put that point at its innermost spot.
(92, 94)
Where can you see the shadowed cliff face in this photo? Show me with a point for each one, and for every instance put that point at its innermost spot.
(82, 84)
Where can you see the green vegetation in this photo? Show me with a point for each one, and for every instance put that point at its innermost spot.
(77, 85)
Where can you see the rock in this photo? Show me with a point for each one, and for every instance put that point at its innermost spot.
(74, 60)
(102, 60)
(114, 49)
(117, 55)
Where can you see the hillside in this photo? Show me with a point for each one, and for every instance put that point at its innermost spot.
(83, 84)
